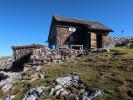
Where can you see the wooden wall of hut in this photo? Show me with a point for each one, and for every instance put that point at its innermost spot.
(96, 39)
(62, 35)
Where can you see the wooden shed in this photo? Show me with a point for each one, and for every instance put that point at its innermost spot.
(74, 32)
(21, 51)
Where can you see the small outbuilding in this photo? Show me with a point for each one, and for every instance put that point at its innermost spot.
(25, 50)
(74, 33)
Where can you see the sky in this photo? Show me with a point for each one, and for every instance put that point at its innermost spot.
(24, 22)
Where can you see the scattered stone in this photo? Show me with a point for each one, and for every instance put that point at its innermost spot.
(99, 50)
(41, 56)
(65, 93)
(38, 68)
(41, 76)
(34, 77)
(26, 69)
(64, 86)
(10, 97)
(12, 78)
(6, 87)
(89, 95)
(6, 62)
(59, 91)
(30, 97)
(68, 80)
(2, 76)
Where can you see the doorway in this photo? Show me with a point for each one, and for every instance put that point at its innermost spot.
(99, 40)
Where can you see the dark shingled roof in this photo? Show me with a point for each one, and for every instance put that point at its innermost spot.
(88, 23)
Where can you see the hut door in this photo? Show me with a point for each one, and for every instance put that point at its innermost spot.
(99, 41)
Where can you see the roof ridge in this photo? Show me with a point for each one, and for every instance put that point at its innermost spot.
(55, 16)
(94, 23)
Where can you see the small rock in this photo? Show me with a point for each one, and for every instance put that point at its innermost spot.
(38, 68)
(65, 93)
(26, 69)
(6, 87)
(41, 76)
(68, 80)
(51, 92)
(10, 97)
(34, 77)
(89, 95)
(57, 87)
(31, 97)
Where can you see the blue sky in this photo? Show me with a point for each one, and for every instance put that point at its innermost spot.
(28, 21)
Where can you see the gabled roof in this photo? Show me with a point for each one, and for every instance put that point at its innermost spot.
(88, 23)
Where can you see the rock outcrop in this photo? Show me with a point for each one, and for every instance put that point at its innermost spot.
(33, 93)
(6, 62)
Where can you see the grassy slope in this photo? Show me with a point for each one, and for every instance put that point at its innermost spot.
(112, 72)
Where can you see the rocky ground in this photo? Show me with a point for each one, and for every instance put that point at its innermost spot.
(97, 76)
(38, 86)
(6, 62)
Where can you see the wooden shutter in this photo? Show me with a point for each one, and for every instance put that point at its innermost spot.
(93, 40)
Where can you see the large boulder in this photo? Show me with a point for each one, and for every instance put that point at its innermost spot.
(68, 80)
(72, 86)
(62, 83)
(33, 93)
